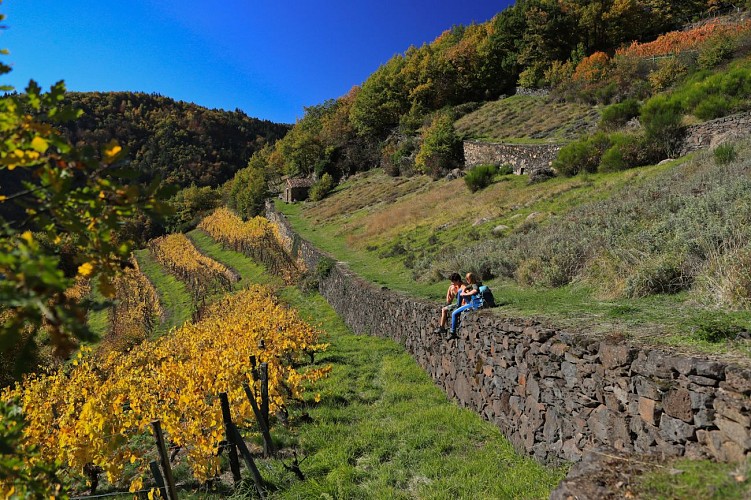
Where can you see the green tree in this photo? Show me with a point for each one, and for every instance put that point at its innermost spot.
(441, 149)
(247, 192)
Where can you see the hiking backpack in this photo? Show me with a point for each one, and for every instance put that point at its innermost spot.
(486, 297)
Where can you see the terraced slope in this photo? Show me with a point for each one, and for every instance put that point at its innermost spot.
(527, 119)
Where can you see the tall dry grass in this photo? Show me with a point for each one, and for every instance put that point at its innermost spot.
(685, 229)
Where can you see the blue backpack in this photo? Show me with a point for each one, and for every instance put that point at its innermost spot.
(486, 297)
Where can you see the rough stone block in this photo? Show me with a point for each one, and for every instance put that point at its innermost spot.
(725, 407)
(677, 403)
(647, 388)
(571, 450)
(711, 369)
(734, 432)
(616, 355)
(649, 410)
(705, 381)
(675, 430)
(738, 379)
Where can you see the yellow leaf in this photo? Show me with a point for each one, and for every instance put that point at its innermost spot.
(39, 144)
(3, 197)
(132, 459)
(111, 150)
(86, 269)
(27, 236)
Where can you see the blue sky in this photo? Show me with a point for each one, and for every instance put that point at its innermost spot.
(269, 59)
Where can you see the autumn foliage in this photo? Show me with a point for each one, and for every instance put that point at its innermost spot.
(676, 42)
(96, 411)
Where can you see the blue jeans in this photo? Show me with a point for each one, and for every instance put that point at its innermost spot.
(455, 315)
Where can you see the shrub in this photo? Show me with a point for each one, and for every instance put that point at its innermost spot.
(661, 118)
(661, 274)
(726, 280)
(716, 51)
(506, 169)
(324, 267)
(712, 106)
(322, 188)
(582, 155)
(480, 177)
(724, 154)
(617, 115)
(627, 151)
(441, 149)
(667, 73)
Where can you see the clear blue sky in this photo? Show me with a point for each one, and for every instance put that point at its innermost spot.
(268, 58)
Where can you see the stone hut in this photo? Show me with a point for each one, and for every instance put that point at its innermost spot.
(296, 189)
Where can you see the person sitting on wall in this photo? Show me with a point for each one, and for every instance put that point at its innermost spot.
(471, 298)
(452, 301)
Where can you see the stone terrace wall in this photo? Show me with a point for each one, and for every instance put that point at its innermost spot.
(524, 158)
(556, 394)
(715, 132)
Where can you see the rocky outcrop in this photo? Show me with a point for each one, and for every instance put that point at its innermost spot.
(556, 394)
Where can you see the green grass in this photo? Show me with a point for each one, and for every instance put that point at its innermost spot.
(527, 120)
(427, 224)
(688, 480)
(98, 321)
(382, 429)
(249, 271)
(173, 294)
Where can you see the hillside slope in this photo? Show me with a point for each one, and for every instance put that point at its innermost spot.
(655, 253)
(528, 119)
(181, 142)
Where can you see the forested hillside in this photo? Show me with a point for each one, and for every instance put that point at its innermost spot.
(595, 53)
(180, 142)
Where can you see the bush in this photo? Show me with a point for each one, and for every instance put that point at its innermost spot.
(661, 274)
(441, 149)
(582, 155)
(667, 73)
(506, 169)
(617, 115)
(716, 51)
(480, 177)
(661, 118)
(324, 267)
(712, 106)
(724, 154)
(322, 188)
(627, 151)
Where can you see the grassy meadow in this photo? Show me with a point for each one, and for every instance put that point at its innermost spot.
(648, 253)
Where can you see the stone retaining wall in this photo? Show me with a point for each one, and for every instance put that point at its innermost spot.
(715, 132)
(556, 394)
(524, 157)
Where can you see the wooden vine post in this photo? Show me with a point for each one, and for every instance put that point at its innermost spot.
(164, 458)
(234, 462)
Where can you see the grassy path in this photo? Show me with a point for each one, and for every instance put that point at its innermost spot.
(173, 294)
(381, 428)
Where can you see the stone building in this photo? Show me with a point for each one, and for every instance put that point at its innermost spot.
(296, 189)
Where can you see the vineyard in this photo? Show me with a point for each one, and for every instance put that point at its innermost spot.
(95, 412)
(256, 238)
(135, 312)
(202, 275)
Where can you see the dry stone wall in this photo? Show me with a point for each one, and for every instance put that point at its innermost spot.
(556, 394)
(525, 158)
(715, 132)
